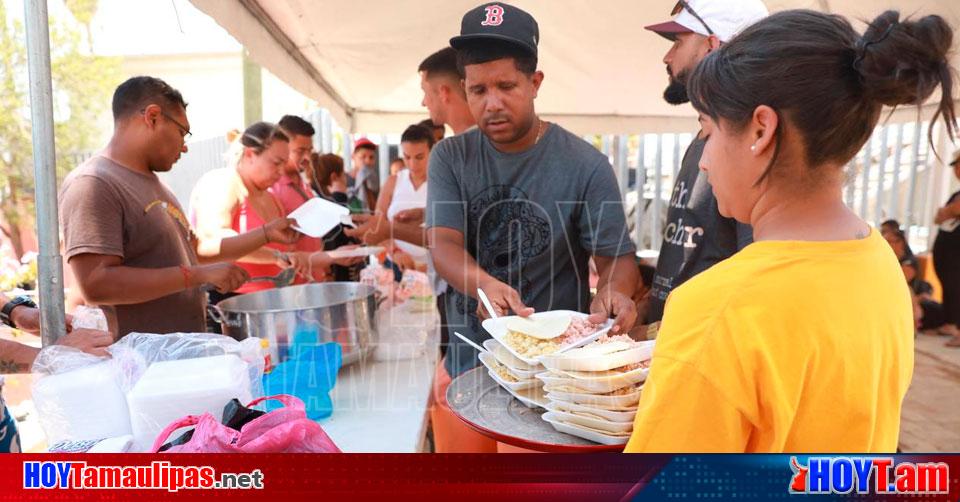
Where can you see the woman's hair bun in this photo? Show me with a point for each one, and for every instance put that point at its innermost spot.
(903, 62)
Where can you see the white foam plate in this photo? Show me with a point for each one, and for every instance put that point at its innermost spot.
(569, 362)
(587, 434)
(318, 216)
(359, 252)
(498, 330)
(592, 423)
(595, 386)
(613, 416)
(519, 368)
(491, 363)
(531, 397)
(587, 399)
(515, 386)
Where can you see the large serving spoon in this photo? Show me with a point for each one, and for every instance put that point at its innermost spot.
(281, 280)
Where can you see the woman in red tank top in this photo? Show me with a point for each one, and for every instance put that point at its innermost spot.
(235, 200)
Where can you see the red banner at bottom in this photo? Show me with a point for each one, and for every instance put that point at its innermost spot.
(470, 477)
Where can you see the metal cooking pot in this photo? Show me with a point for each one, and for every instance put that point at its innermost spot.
(342, 312)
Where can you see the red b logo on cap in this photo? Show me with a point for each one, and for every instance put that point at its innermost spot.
(494, 16)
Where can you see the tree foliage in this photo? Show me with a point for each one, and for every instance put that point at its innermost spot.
(82, 85)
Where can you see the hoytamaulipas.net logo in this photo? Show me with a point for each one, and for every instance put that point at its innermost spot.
(157, 476)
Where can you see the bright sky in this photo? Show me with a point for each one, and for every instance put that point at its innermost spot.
(147, 27)
(136, 27)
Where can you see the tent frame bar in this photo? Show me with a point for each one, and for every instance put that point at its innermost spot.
(49, 262)
(255, 10)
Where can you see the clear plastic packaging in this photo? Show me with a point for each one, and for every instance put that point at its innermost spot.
(192, 375)
(405, 330)
(137, 351)
(170, 390)
(379, 277)
(78, 396)
(85, 317)
(83, 397)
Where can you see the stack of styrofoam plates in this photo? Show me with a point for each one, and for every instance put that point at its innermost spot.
(593, 390)
(519, 378)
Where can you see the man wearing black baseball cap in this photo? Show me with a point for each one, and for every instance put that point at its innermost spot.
(695, 236)
(518, 206)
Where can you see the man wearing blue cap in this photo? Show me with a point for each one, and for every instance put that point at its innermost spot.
(518, 206)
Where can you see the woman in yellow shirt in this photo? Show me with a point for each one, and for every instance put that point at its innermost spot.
(803, 341)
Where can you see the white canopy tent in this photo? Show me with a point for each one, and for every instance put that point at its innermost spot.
(359, 59)
(604, 72)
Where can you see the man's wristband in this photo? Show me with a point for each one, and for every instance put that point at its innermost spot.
(185, 270)
(7, 311)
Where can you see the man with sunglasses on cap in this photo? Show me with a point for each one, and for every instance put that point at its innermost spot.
(517, 207)
(695, 236)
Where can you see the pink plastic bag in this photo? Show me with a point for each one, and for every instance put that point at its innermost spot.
(287, 430)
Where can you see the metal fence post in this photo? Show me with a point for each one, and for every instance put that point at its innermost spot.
(383, 157)
(914, 166)
(881, 176)
(641, 203)
(865, 176)
(623, 173)
(893, 207)
(655, 238)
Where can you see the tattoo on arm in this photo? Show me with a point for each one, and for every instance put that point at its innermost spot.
(8, 367)
(16, 357)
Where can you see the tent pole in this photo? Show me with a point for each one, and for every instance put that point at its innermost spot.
(49, 263)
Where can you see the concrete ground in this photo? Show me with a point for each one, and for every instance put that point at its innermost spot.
(930, 422)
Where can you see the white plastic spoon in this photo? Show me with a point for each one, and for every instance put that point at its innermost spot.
(471, 342)
(486, 304)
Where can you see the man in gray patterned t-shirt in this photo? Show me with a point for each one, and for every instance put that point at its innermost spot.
(519, 206)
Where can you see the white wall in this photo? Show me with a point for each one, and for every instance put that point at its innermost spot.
(212, 85)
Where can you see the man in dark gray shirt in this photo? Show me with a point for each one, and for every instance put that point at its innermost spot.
(695, 236)
(518, 206)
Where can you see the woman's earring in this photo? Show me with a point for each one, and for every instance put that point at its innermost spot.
(753, 148)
